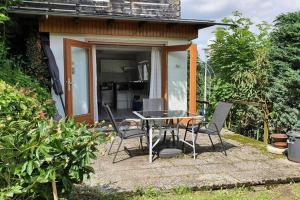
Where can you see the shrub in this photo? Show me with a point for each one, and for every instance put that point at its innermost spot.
(284, 88)
(34, 155)
(239, 59)
(28, 86)
(17, 104)
(33, 152)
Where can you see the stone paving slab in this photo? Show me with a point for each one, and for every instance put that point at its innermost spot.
(243, 165)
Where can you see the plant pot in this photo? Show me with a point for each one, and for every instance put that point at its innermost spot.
(279, 141)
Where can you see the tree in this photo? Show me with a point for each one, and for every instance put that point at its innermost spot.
(239, 59)
(284, 55)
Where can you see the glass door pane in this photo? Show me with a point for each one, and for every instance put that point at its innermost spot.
(80, 80)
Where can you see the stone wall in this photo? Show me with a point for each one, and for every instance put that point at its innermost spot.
(144, 8)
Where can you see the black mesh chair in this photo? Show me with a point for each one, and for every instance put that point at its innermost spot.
(213, 127)
(123, 133)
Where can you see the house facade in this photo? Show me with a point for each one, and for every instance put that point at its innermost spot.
(118, 52)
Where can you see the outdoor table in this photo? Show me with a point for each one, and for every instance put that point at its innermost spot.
(165, 115)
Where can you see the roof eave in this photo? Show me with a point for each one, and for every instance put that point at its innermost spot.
(199, 23)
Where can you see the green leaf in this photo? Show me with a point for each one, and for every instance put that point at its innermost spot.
(30, 167)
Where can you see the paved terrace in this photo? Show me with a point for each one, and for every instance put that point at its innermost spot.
(244, 165)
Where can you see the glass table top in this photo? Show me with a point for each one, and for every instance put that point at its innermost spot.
(166, 114)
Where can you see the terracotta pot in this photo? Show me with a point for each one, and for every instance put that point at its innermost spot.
(280, 145)
(279, 140)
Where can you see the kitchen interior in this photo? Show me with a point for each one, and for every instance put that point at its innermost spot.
(123, 79)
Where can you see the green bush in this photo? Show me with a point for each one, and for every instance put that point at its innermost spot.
(284, 90)
(29, 86)
(34, 155)
(239, 59)
(35, 151)
(17, 104)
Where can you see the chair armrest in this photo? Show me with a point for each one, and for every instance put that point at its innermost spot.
(204, 102)
(205, 124)
(190, 122)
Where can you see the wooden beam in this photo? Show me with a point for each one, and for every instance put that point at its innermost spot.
(193, 79)
(179, 47)
(164, 76)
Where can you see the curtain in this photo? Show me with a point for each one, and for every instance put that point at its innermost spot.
(155, 79)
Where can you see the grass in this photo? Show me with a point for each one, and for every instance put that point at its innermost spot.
(251, 142)
(280, 192)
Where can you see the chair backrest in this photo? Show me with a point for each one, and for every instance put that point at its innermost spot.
(112, 119)
(219, 117)
(153, 104)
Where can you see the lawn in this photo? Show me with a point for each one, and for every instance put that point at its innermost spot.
(278, 192)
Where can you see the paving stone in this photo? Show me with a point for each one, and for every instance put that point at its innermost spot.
(214, 180)
(222, 168)
(243, 165)
(251, 165)
(249, 177)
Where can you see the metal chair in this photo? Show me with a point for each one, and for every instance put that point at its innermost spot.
(157, 104)
(123, 133)
(214, 127)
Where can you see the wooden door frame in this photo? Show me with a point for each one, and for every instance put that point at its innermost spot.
(192, 48)
(164, 71)
(68, 43)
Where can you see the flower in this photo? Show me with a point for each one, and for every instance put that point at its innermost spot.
(109, 126)
(8, 118)
(2, 125)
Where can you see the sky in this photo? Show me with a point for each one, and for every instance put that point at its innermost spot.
(257, 10)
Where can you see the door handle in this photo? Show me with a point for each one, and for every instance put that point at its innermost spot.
(69, 84)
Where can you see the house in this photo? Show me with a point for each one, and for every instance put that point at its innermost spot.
(118, 52)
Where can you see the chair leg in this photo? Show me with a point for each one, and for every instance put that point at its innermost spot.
(173, 137)
(165, 135)
(111, 144)
(196, 136)
(212, 144)
(177, 137)
(186, 130)
(224, 149)
(117, 150)
(141, 143)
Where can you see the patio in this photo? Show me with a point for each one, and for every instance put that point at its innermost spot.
(244, 165)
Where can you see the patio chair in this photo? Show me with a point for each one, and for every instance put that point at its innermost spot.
(123, 133)
(157, 104)
(214, 127)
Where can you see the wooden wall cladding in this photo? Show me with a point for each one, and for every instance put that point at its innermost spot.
(117, 28)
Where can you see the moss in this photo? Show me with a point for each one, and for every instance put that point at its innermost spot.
(251, 142)
(287, 191)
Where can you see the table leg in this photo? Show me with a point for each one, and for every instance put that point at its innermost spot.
(193, 139)
(150, 145)
(177, 132)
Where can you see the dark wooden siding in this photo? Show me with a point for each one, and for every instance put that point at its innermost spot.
(145, 8)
